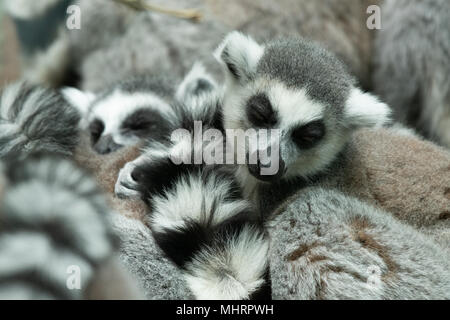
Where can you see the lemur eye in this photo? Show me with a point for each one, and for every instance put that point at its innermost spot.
(260, 112)
(309, 134)
(139, 125)
(96, 128)
(140, 121)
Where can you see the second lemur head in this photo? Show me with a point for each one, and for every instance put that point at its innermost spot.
(300, 89)
(137, 108)
(125, 113)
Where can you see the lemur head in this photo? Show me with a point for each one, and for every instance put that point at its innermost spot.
(302, 90)
(126, 113)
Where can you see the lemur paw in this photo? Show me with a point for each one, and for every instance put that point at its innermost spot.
(126, 186)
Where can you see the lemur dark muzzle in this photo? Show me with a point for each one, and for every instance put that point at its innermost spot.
(267, 172)
(106, 145)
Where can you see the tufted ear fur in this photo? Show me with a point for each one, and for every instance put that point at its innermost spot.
(240, 55)
(81, 101)
(77, 98)
(365, 110)
(197, 82)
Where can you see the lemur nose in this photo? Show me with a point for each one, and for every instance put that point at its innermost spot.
(137, 174)
(106, 145)
(270, 171)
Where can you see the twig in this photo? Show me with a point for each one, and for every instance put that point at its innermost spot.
(191, 14)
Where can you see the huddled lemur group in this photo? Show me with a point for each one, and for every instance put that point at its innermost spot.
(338, 220)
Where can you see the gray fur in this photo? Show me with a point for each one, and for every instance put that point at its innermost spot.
(164, 86)
(411, 64)
(36, 120)
(299, 63)
(146, 46)
(158, 277)
(52, 217)
(326, 245)
(159, 43)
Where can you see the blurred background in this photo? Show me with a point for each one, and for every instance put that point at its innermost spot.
(9, 50)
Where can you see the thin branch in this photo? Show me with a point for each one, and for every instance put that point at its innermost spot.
(191, 14)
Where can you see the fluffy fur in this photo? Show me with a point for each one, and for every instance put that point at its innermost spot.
(157, 276)
(52, 217)
(198, 217)
(411, 68)
(127, 112)
(300, 89)
(129, 46)
(36, 120)
(105, 169)
(402, 174)
(138, 252)
(40, 27)
(326, 245)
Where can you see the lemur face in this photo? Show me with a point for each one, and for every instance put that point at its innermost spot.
(300, 89)
(135, 109)
(123, 118)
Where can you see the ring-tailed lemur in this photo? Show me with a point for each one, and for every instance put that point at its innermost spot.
(198, 216)
(127, 112)
(302, 90)
(34, 119)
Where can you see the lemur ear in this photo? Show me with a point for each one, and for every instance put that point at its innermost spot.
(197, 82)
(240, 55)
(365, 110)
(79, 99)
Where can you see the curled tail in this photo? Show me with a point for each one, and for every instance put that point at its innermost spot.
(202, 224)
(53, 223)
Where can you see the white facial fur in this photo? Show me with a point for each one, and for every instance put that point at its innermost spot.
(115, 108)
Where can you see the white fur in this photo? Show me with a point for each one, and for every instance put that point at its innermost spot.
(293, 106)
(197, 73)
(244, 53)
(192, 199)
(79, 99)
(365, 110)
(114, 109)
(227, 274)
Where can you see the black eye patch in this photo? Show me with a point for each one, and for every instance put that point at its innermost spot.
(260, 112)
(309, 134)
(96, 128)
(144, 122)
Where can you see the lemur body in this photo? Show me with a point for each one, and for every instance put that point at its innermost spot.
(303, 91)
(197, 214)
(328, 245)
